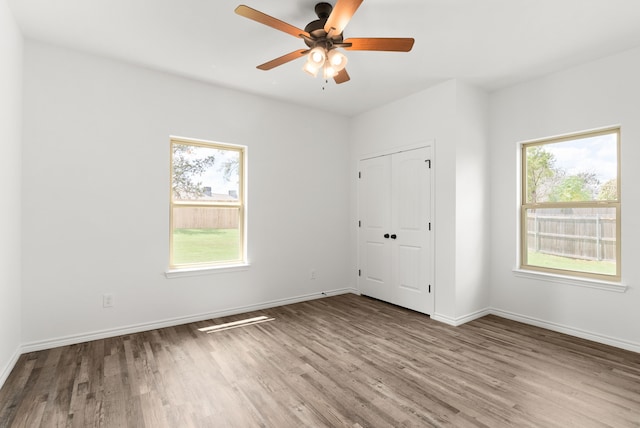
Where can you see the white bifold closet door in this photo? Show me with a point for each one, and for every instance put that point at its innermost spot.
(395, 242)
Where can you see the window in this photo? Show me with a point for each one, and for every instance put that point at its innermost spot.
(570, 209)
(207, 208)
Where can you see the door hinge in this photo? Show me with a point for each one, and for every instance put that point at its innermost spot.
(359, 174)
(429, 225)
(359, 223)
(429, 162)
(429, 288)
(359, 272)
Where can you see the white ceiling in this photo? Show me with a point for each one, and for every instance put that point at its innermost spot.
(491, 43)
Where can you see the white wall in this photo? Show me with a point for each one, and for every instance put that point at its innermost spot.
(472, 202)
(11, 48)
(452, 115)
(95, 192)
(597, 94)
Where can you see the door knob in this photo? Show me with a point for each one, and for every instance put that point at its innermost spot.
(386, 235)
(394, 236)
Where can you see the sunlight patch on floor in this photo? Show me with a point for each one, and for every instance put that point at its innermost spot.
(235, 324)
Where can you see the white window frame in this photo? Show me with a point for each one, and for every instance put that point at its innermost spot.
(194, 269)
(592, 280)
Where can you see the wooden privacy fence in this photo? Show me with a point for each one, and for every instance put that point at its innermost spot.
(586, 235)
(205, 218)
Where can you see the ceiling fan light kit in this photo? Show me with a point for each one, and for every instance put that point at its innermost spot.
(323, 37)
(331, 62)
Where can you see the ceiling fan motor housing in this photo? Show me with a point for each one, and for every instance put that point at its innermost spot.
(316, 28)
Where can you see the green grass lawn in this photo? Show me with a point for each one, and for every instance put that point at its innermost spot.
(205, 245)
(567, 263)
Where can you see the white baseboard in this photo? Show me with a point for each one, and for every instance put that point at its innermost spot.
(583, 334)
(460, 320)
(119, 331)
(6, 370)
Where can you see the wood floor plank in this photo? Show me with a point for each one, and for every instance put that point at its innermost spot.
(343, 361)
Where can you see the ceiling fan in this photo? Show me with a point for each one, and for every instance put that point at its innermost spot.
(323, 37)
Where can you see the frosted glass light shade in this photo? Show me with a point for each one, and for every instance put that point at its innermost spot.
(311, 68)
(317, 56)
(337, 59)
(328, 71)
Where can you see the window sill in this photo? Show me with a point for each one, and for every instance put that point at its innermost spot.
(617, 287)
(209, 270)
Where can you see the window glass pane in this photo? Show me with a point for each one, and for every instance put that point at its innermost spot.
(206, 235)
(577, 170)
(205, 174)
(572, 239)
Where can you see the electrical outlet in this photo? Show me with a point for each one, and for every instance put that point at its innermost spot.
(107, 300)
(313, 274)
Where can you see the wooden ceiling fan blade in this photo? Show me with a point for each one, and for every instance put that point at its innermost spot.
(380, 44)
(269, 21)
(342, 76)
(283, 59)
(340, 16)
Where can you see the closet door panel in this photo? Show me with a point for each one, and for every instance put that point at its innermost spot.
(410, 218)
(374, 192)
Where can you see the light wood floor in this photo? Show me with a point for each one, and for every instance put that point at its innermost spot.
(343, 361)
